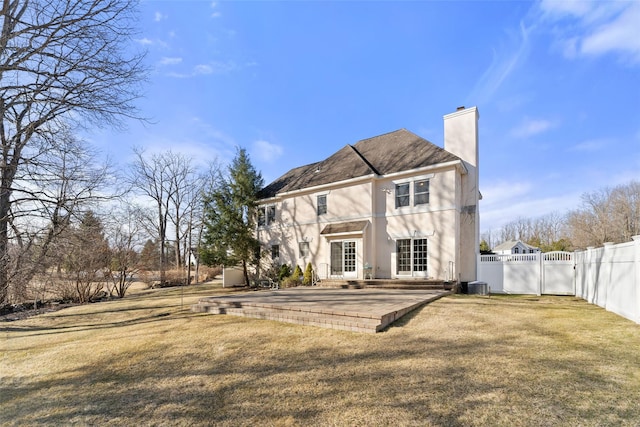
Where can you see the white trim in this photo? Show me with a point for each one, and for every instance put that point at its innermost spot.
(413, 178)
(461, 112)
(327, 186)
(437, 166)
(371, 178)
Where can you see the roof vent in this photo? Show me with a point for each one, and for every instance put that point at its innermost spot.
(460, 108)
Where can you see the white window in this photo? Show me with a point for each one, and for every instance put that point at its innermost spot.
(417, 190)
(322, 204)
(275, 251)
(421, 192)
(271, 214)
(266, 215)
(304, 249)
(402, 195)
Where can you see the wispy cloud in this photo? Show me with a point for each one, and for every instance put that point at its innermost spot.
(505, 61)
(145, 41)
(266, 151)
(202, 69)
(531, 127)
(590, 145)
(506, 201)
(499, 192)
(214, 67)
(192, 137)
(590, 28)
(159, 16)
(216, 13)
(169, 60)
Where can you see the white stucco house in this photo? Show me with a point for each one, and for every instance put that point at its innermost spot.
(391, 206)
(515, 247)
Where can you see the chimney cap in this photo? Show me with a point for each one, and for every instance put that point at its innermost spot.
(460, 108)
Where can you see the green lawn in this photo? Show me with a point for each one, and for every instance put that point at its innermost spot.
(462, 360)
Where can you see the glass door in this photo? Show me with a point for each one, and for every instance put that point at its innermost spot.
(411, 257)
(336, 259)
(343, 259)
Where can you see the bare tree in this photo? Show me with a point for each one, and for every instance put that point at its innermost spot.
(207, 183)
(85, 257)
(62, 179)
(187, 187)
(171, 182)
(60, 62)
(606, 215)
(548, 232)
(125, 239)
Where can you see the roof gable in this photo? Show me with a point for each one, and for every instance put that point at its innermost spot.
(381, 155)
(400, 151)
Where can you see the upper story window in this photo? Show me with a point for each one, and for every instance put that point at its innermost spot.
(275, 251)
(418, 190)
(322, 204)
(402, 195)
(271, 214)
(266, 215)
(421, 192)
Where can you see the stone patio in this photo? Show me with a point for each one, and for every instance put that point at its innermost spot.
(358, 310)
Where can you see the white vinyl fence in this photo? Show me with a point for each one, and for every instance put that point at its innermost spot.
(537, 273)
(608, 277)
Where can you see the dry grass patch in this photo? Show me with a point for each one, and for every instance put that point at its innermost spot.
(461, 360)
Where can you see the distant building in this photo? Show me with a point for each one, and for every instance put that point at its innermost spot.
(391, 206)
(515, 247)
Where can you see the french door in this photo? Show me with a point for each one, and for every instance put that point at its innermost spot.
(411, 257)
(343, 259)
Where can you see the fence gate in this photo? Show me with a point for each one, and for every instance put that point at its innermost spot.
(558, 273)
(545, 273)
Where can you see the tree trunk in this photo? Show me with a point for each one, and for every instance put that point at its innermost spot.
(4, 254)
(246, 273)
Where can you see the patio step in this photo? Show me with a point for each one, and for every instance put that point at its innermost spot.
(326, 317)
(356, 322)
(385, 284)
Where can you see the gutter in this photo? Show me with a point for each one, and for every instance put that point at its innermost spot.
(456, 163)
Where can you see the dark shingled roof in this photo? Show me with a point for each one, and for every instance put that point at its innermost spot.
(381, 155)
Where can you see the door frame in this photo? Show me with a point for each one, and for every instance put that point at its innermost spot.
(352, 274)
(411, 272)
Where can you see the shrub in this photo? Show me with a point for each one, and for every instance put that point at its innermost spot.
(208, 273)
(289, 282)
(283, 272)
(308, 275)
(149, 278)
(292, 280)
(297, 273)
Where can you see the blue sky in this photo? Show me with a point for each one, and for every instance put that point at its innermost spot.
(557, 85)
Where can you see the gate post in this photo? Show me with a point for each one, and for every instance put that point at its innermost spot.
(540, 256)
(636, 282)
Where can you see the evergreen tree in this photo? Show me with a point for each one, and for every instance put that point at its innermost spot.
(150, 255)
(230, 212)
(307, 278)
